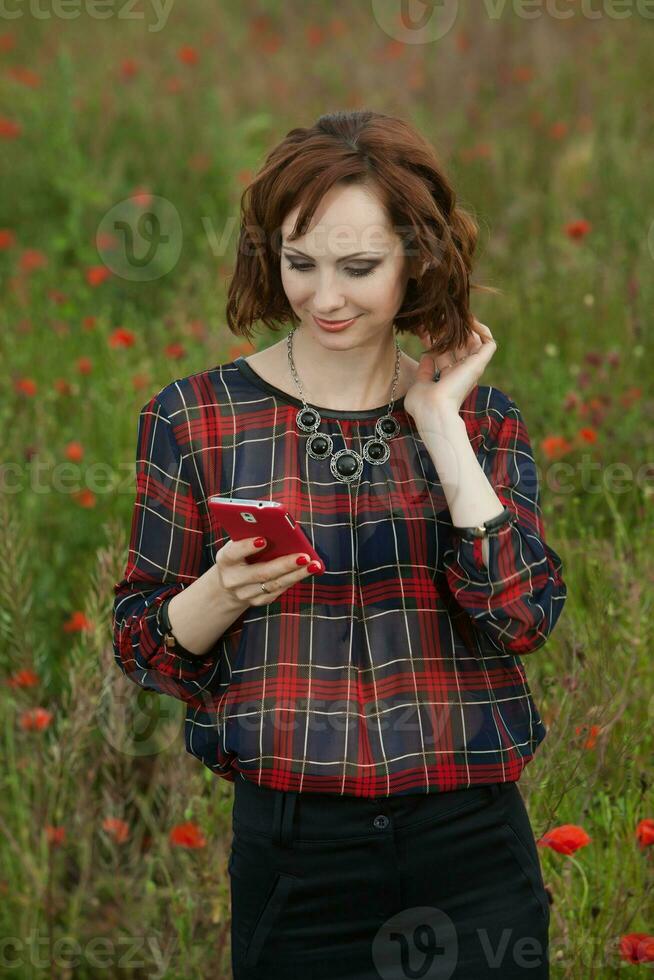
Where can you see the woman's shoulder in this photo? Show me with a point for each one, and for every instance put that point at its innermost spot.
(194, 392)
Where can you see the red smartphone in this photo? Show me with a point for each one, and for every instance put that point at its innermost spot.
(268, 518)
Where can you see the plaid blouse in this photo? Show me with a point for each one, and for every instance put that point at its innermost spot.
(395, 671)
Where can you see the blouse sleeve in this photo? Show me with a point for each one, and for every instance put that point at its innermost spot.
(165, 555)
(518, 598)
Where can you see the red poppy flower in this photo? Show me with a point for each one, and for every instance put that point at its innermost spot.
(116, 828)
(637, 947)
(84, 365)
(85, 498)
(588, 435)
(140, 381)
(175, 351)
(55, 835)
(645, 832)
(89, 323)
(24, 75)
(7, 42)
(237, 349)
(62, 386)
(392, 50)
(9, 128)
(630, 396)
(121, 337)
(74, 452)
(141, 196)
(77, 622)
(187, 835)
(555, 446)
(35, 719)
(592, 738)
(565, 839)
(260, 24)
(105, 240)
(523, 73)
(25, 386)
(197, 329)
(463, 42)
(188, 55)
(129, 68)
(23, 678)
(571, 400)
(315, 35)
(7, 238)
(97, 274)
(558, 130)
(32, 258)
(578, 229)
(271, 44)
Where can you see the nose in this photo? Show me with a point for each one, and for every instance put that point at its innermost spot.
(328, 298)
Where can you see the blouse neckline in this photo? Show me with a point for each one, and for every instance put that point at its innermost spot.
(251, 375)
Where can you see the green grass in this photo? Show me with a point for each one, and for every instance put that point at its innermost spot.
(88, 139)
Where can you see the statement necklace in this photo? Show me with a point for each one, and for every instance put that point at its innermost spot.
(346, 465)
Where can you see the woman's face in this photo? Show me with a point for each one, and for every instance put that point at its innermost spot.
(329, 281)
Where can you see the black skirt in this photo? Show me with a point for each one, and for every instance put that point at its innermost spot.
(436, 886)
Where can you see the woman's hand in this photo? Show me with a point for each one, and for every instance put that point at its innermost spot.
(460, 370)
(241, 580)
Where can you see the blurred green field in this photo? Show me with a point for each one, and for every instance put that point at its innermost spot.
(546, 128)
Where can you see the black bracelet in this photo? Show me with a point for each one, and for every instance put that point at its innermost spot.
(171, 642)
(487, 528)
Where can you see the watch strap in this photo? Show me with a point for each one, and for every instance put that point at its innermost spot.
(171, 642)
(487, 528)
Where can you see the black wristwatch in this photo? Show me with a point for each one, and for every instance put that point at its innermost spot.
(487, 528)
(170, 641)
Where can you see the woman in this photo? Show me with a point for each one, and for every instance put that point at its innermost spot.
(373, 711)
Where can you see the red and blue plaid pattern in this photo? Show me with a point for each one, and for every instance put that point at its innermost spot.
(395, 671)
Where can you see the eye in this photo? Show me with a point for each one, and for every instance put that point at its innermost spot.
(355, 273)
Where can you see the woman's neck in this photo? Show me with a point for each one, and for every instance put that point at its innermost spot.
(357, 380)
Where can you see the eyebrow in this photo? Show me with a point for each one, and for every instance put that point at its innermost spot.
(343, 259)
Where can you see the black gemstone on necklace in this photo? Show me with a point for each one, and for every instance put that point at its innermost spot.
(376, 450)
(319, 444)
(346, 464)
(308, 417)
(388, 426)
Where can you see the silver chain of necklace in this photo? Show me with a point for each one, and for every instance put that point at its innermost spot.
(346, 465)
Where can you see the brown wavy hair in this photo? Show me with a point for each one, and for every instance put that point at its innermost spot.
(388, 156)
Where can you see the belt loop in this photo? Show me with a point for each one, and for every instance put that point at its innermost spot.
(286, 834)
(277, 816)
